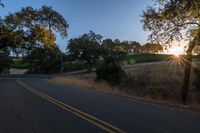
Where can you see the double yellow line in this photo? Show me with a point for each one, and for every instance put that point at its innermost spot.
(95, 121)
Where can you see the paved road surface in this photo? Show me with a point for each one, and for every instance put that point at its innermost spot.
(43, 107)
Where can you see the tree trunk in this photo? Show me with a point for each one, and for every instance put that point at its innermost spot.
(61, 61)
(187, 70)
(186, 79)
(89, 65)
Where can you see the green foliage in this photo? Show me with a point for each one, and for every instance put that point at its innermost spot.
(19, 64)
(109, 60)
(110, 72)
(114, 48)
(169, 20)
(131, 61)
(72, 66)
(44, 60)
(45, 17)
(52, 20)
(9, 39)
(32, 31)
(142, 58)
(172, 19)
(85, 48)
(152, 48)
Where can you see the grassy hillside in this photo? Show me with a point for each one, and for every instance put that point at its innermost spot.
(142, 58)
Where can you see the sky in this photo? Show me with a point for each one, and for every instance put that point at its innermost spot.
(115, 19)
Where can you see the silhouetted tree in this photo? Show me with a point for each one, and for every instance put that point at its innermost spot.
(52, 20)
(86, 48)
(152, 48)
(9, 41)
(136, 47)
(39, 27)
(175, 19)
(119, 48)
(109, 47)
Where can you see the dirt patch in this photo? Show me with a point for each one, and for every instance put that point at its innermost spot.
(17, 71)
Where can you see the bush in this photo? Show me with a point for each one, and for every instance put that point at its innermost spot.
(19, 64)
(44, 60)
(131, 61)
(110, 72)
(73, 66)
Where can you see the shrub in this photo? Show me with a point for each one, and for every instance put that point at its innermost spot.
(110, 60)
(73, 66)
(19, 64)
(44, 60)
(110, 72)
(131, 61)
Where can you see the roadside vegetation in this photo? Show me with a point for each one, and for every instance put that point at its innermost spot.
(158, 82)
(30, 34)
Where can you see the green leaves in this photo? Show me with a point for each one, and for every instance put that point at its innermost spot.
(33, 31)
(52, 20)
(45, 17)
(172, 19)
(86, 47)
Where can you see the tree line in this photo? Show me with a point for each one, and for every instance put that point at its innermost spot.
(90, 47)
(31, 34)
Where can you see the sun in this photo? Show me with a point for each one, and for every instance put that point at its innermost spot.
(176, 51)
(176, 54)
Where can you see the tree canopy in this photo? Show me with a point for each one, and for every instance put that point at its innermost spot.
(152, 48)
(34, 30)
(86, 47)
(170, 20)
(30, 20)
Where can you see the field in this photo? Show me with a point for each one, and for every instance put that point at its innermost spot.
(159, 81)
(18, 64)
(126, 59)
(142, 58)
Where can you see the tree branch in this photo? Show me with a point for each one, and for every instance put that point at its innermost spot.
(188, 23)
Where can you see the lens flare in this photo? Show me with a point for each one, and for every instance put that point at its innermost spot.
(177, 51)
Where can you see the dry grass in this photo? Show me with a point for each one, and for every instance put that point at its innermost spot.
(87, 82)
(159, 82)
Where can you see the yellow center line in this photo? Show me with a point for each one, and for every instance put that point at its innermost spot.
(95, 121)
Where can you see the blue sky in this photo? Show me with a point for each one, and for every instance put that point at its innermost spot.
(110, 18)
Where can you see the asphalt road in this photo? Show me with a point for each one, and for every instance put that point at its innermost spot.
(34, 105)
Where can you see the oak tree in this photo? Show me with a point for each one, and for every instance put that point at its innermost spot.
(39, 28)
(170, 20)
(85, 48)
